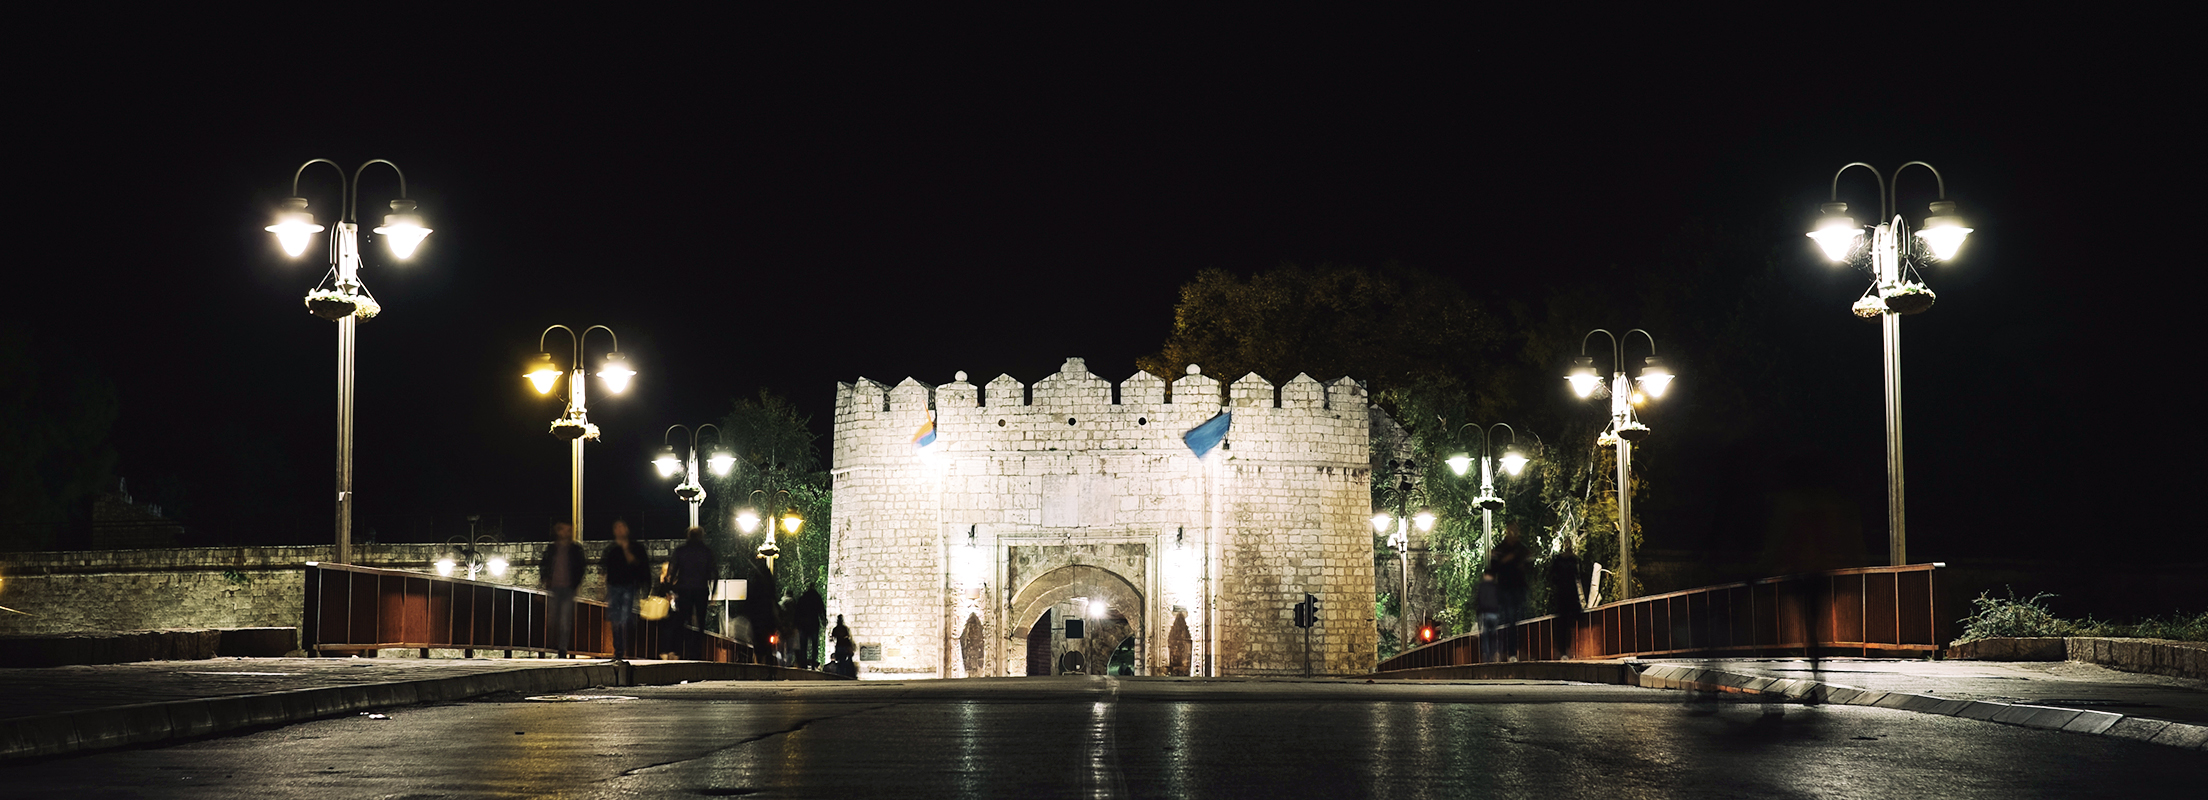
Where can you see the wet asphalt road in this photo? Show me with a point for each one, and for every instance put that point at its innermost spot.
(1098, 737)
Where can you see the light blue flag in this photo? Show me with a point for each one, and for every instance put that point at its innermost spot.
(1202, 438)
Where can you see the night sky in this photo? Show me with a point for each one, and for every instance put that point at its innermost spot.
(785, 205)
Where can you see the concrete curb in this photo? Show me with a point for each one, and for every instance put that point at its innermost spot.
(2100, 723)
(120, 726)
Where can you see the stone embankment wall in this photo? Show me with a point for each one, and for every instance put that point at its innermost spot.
(2153, 656)
(215, 587)
(1078, 494)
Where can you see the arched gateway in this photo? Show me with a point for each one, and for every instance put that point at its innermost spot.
(1009, 530)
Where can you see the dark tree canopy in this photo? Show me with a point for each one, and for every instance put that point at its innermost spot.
(1391, 327)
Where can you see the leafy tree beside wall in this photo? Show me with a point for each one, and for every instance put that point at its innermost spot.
(776, 451)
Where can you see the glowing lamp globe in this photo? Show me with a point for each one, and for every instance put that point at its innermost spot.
(402, 228)
(1943, 231)
(667, 462)
(616, 373)
(1583, 377)
(498, 565)
(747, 520)
(1654, 377)
(1836, 233)
(1514, 460)
(791, 521)
(1381, 521)
(542, 374)
(294, 227)
(1424, 519)
(1459, 464)
(721, 462)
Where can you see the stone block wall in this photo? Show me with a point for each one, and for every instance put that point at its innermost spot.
(215, 587)
(1075, 463)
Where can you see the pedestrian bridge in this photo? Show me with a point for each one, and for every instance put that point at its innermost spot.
(1870, 611)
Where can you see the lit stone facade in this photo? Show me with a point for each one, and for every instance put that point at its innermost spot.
(1077, 499)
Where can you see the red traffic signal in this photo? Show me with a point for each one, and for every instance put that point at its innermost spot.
(1426, 632)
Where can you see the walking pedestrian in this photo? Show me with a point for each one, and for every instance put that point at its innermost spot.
(1564, 599)
(561, 573)
(1508, 564)
(695, 570)
(628, 573)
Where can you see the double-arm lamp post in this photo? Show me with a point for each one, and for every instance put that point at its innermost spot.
(748, 519)
(574, 425)
(1896, 290)
(1624, 430)
(347, 301)
(1514, 462)
(690, 491)
(1402, 521)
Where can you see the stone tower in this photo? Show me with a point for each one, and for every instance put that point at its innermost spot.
(1066, 527)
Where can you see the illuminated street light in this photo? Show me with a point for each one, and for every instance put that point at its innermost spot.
(343, 299)
(574, 424)
(748, 519)
(690, 490)
(467, 550)
(1896, 289)
(1401, 473)
(1624, 430)
(1513, 460)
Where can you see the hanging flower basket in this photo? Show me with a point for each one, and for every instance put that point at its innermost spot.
(1869, 307)
(1633, 432)
(334, 305)
(1607, 439)
(567, 428)
(1488, 502)
(1909, 298)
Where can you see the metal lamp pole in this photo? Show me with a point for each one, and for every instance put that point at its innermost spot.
(575, 425)
(690, 490)
(348, 301)
(1624, 429)
(1402, 521)
(1894, 256)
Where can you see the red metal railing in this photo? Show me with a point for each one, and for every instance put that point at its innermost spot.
(1866, 609)
(351, 609)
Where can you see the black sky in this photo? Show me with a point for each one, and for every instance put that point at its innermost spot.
(786, 204)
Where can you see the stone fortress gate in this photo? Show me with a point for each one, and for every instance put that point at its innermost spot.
(1066, 527)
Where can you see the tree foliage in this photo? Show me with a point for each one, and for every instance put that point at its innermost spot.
(55, 448)
(777, 468)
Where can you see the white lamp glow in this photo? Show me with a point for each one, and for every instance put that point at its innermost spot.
(444, 567)
(1654, 377)
(1514, 461)
(1460, 464)
(616, 373)
(1943, 231)
(666, 462)
(403, 228)
(1583, 377)
(294, 227)
(721, 462)
(1381, 521)
(1424, 519)
(747, 520)
(1836, 233)
(498, 565)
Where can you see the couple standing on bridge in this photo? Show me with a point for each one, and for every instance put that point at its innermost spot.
(1502, 595)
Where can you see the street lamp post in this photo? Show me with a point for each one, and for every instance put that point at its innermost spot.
(1624, 430)
(347, 301)
(575, 425)
(1402, 521)
(748, 520)
(1895, 290)
(1514, 462)
(690, 490)
(470, 553)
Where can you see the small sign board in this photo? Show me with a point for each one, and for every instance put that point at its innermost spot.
(735, 589)
(870, 652)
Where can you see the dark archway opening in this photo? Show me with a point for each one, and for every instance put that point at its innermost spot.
(1038, 645)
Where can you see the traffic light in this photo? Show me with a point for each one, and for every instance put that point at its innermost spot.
(1311, 609)
(1303, 616)
(1426, 632)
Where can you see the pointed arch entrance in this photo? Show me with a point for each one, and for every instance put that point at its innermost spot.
(1108, 606)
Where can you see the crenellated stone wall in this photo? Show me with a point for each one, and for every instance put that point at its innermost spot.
(1077, 496)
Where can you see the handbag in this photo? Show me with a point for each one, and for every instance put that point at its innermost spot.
(655, 606)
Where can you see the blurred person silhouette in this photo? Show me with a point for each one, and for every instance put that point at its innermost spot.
(628, 574)
(695, 568)
(1564, 594)
(843, 648)
(560, 571)
(761, 607)
(1488, 603)
(1508, 563)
